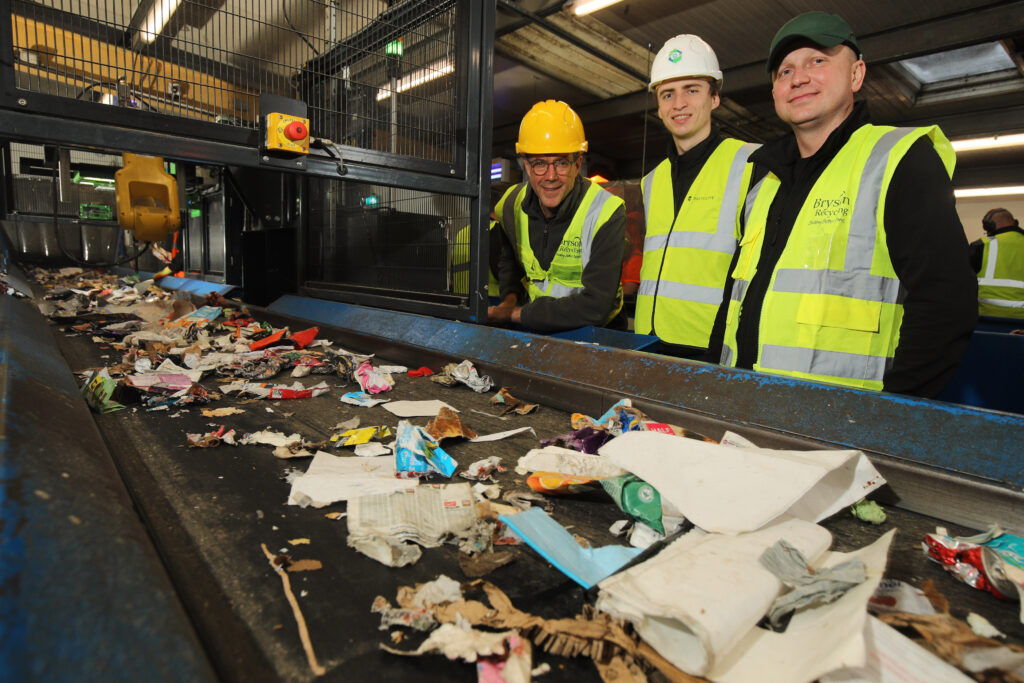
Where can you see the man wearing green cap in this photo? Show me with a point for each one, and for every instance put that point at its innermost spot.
(853, 267)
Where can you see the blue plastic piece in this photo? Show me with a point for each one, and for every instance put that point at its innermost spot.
(990, 374)
(602, 336)
(585, 566)
(184, 284)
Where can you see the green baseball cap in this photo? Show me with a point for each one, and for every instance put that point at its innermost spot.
(820, 28)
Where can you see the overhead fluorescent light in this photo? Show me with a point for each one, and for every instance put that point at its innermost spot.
(988, 191)
(419, 77)
(157, 18)
(582, 7)
(988, 143)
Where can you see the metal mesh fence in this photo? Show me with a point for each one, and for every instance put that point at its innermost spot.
(370, 237)
(377, 75)
(87, 192)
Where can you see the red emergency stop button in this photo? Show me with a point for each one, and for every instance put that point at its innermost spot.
(295, 131)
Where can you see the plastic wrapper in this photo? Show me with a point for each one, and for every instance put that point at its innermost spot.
(964, 560)
(372, 381)
(636, 498)
(553, 483)
(416, 453)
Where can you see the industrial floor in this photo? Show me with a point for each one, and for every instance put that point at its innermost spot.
(208, 511)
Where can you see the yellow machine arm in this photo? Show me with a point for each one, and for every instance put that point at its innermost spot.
(147, 198)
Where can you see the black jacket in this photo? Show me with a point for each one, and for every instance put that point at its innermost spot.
(926, 244)
(601, 278)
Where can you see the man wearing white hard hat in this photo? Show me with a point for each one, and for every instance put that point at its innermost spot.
(692, 200)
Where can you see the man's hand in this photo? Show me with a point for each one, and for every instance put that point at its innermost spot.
(505, 312)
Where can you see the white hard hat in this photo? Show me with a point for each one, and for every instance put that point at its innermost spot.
(684, 56)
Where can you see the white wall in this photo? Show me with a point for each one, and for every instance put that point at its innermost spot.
(972, 209)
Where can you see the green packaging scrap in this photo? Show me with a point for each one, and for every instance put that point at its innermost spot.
(868, 511)
(636, 498)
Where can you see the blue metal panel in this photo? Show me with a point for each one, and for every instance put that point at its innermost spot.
(83, 595)
(954, 438)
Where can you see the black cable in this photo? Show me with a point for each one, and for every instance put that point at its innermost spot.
(284, 8)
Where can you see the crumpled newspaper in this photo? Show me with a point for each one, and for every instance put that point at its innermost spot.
(466, 373)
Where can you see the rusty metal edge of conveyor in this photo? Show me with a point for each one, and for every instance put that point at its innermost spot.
(83, 593)
(953, 462)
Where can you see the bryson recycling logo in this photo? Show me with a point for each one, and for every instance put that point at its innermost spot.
(675, 56)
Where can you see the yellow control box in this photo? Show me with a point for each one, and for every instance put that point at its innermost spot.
(287, 133)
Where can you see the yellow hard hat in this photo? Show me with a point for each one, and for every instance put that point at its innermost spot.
(551, 127)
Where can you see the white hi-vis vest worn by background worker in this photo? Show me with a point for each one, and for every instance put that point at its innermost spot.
(833, 308)
(564, 276)
(687, 255)
(1001, 278)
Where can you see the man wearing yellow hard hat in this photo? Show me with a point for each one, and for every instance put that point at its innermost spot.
(692, 202)
(563, 236)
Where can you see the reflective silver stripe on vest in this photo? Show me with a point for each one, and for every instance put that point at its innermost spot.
(693, 240)
(855, 280)
(554, 289)
(993, 254)
(681, 291)
(731, 196)
(590, 224)
(748, 205)
(647, 186)
(1002, 303)
(818, 362)
(739, 290)
(726, 358)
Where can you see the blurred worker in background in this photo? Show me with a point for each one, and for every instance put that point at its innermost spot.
(563, 236)
(692, 201)
(853, 267)
(998, 259)
(460, 251)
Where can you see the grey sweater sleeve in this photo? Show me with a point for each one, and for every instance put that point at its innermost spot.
(601, 278)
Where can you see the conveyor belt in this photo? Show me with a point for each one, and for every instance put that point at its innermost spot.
(208, 510)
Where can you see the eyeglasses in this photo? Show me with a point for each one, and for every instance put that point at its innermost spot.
(540, 166)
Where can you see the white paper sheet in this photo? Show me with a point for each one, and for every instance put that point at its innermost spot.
(331, 479)
(416, 408)
(894, 658)
(818, 639)
(695, 600)
(733, 490)
(504, 435)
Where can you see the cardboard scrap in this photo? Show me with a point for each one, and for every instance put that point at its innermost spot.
(447, 424)
(593, 634)
(511, 404)
(221, 412)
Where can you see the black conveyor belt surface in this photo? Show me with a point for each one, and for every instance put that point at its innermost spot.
(208, 511)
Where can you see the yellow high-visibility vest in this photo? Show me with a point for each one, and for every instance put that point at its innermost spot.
(1001, 280)
(460, 264)
(832, 311)
(564, 275)
(687, 255)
